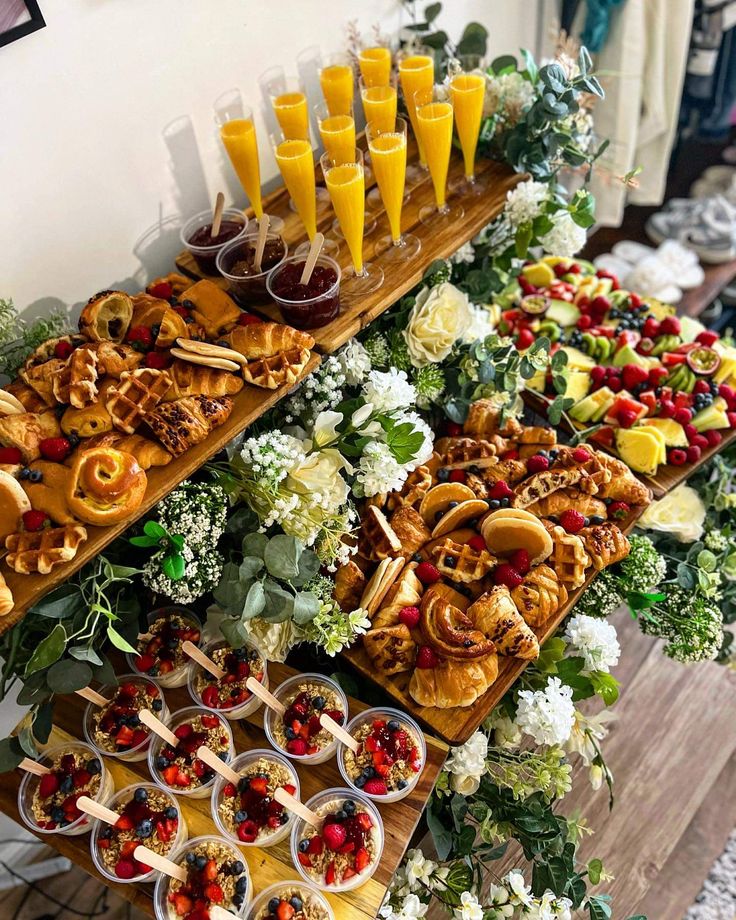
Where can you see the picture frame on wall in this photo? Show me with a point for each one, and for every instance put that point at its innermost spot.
(19, 18)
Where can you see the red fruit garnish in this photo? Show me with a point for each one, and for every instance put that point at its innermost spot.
(561, 269)
(667, 408)
(182, 311)
(334, 836)
(209, 873)
(169, 774)
(211, 697)
(618, 510)
(140, 337)
(362, 859)
(316, 846)
(713, 436)
(572, 520)
(259, 785)
(426, 657)
(600, 304)
(284, 911)
(690, 432)
(10, 455)
(210, 721)
(506, 574)
(163, 290)
(427, 573)
(627, 417)
(683, 416)
(537, 464)
(304, 860)
(525, 339)
(182, 903)
(330, 873)
(48, 785)
(62, 350)
(375, 787)
(457, 476)
(520, 561)
(125, 868)
(297, 747)
(728, 393)
(512, 454)
(477, 543)
(56, 449)
(707, 337)
(453, 429)
(34, 520)
(247, 319)
(657, 375)
(650, 329)
(731, 416)
(693, 454)
(144, 662)
(632, 375)
(670, 325)
(213, 892)
(158, 360)
(501, 490)
(80, 778)
(581, 455)
(585, 321)
(229, 790)
(677, 457)
(409, 616)
(615, 384)
(336, 715)
(699, 440)
(183, 731)
(701, 386)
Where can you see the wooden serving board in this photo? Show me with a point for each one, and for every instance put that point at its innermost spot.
(457, 724)
(269, 864)
(249, 405)
(436, 244)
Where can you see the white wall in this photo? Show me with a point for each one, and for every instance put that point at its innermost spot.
(106, 128)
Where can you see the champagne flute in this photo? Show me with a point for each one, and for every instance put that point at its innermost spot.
(346, 185)
(388, 153)
(416, 73)
(467, 90)
(379, 107)
(336, 81)
(375, 65)
(434, 123)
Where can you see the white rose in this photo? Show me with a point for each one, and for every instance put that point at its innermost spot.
(465, 784)
(320, 472)
(440, 316)
(681, 513)
(325, 428)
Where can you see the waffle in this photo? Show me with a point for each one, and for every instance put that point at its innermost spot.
(41, 550)
(466, 452)
(569, 558)
(378, 539)
(276, 370)
(138, 392)
(417, 484)
(460, 562)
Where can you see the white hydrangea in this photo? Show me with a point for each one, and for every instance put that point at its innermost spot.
(565, 238)
(271, 455)
(355, 362)
(595, 640)
(525, 202)
(465, 254)
(507, 96)
(482, 324)
(467, 764)
(547, 715)
(378, 470)
(389, 390)
(506, 733)
(469, 908)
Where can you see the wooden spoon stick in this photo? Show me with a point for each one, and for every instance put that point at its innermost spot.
(32, 766)
(217, 216)
(158, 727)
(263, 224)
(266, 697)
(214, 763)
(95, 810)
(299, 808)
(339, 732)
(92, 696)
(219, 913)
(189, 648)
(314, 250)
(160, 863)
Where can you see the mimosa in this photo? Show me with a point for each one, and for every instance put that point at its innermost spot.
(434, 122)
(375, 65)
(416, 73)
(294, 159)
(337, 133)
(379, 105)
(239, 138)
(290, 109)
(468, 93)
(336, 80)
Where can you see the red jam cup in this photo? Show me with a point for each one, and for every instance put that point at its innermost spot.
(250, 289)
(196, 238)
(306, 306)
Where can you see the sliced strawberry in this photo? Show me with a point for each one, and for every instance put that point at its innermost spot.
(213, 892)
(330, 873)
(259, 785)
(316, 845)
(362, 859)
(48, 785)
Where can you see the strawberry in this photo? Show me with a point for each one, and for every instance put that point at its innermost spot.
(506, 574)
(284, 911)
(677, 457)
(537, 464)
(427, 573)
(501, 489)
(10, 455)
(35, 520)
(304, 860)
(375, 787)
(297, 747)
(457, 476)
(619, 510)
(145, 662)
(363, 820)
(63, 349)
(158, 360)
(657, 375)
(477, 543)
(182, 903)
(670, 325)
(362, 859)
(183, 731)
(125, 868)
(181, 779)
(667, 408)
(581, 455)
(707, 337)
(259, 785)
(287, 787)
(56, 449)
(80, 778)
(48, 785)
(316, 845)
(211, 697)
(409, 616)
(683, 415)
(210, 721)
(520, 561)
(600, 305)
(209, 873)
(334, 836)
(140, 337)
(247, 319)
(163, 290)
(330, 873)
(426, 658)
(214, 894)
(572, 520)
(169, 774)
(650, 329)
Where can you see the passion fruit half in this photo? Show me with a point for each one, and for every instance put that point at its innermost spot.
(703, 360)
(535, 304)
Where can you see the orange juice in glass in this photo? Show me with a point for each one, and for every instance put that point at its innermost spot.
(416, 74)
(337, 133)
(346, 185)
(379, 104)
(468, 90)
(296, 164)
(336, 81)
(434, 123)
(375, 65)
(388, 155)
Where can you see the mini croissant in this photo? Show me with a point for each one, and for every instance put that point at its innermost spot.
(260, 340)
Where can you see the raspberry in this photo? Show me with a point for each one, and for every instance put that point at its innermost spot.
(63, 349)
(560, 269)
(667, 408)
(699, 440)
(729, 394)
(707, 337)
(10, 455)
(524, 339)
(585, 322)
(690, 432)
(247, 319)
(683, 416)
(457, 476)
(409, 616)
(374, 787)
(618, 510)
(506, 574)
(650, 329)
(426, 658)
(627, 417)
(537, 464)
(670, 325)
(677, 456)
(125, 868)
(597, 375)
(572, 520)
(158, 360)
(713, 436)
(334, 835)
(693, 454)
(163, 290)
(501, 490)
(427, 573)
(56, 449)
(731, 416)
(581, 455)
(34, 520)
(182, 311)
(600, 305)
(477, 543)
(453, 429)
(520, 561)
(701, 386)
(615, 384)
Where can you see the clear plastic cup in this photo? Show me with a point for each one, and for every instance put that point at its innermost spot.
(409, 725)
(325, 803)
(285, 693)
(314, 901)
(139, 751)
(120, 799)
(196, 790)
(30, 783)
(240, 765)
(314, 311)
(249, 290)
(205, 254)
(178, 676)
(238, 711)
(164, 910)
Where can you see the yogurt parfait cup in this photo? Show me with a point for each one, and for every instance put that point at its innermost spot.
(247, 813)
(159, 649)
(305, 900)
(228, 695)
(235, 264)
(298, 733)
(325, 857)
(390, 758)
(306, 306)
(115, 730)
(149, 816)
(196, 236)
(47, 804)
(216, 874)
(178, 769)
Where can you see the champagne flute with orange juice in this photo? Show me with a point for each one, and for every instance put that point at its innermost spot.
(346, 185)
(379, 103)
(388, 154)
(336, 81)
(434, 123)
(375, 65)
(467, 91)
(416, 73)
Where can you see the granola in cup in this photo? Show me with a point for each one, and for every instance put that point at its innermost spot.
(298, 732)
(159, 648)
(216, 874)
(149, 816)
(178, 768)
(248, 813)
(279, 900)
(47, 804)
(228, 695)
(116, 729)
(346, 851)
(390, 758)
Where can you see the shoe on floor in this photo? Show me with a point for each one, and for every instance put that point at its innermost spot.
(708, 228)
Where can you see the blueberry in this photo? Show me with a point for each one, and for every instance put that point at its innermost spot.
(296, 903)
(94, 766)
(155, 329)
(161, 763)
(319, 702)
(144, 829)
(191, 858)
(402, 784)
(450, 562)
(140, 794)
(283, 818)
(172, 643)
(393, 725)
(475, 470)
(303, 844)
(505, 502)
(494, 503)
(223, 755)
(189, 304)
(369, 772)
(67, 784)
(244, 784)
(201, 862)
(171, 813)
(439, 515)
(290, 733)
(273, 905)
(453, 504)
(173, 301)
(208, 776)
(253, 655)
(241, 816)
(553, 455)
(238, 900)
(417, 557)
(234, 692)
(106, 832)
(134, 720)
(473, 522)
(340, 815)
(241, 885)
(348, 806)
(360, 781)
(237, 868)
(586, 521)
(157, 705)
(596, 519)
(443, 475)
(73, 439)
(25, 473)
(35, 476)
(57, 814)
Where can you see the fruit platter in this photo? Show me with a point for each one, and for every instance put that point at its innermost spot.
(658, 390)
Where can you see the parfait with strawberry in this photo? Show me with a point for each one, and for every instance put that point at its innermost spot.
(116, 728)
(228, 694)
(298, 730)
(290, 901)
(177, 767)
(159, 648)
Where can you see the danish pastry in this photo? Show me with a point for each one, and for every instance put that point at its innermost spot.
(113, 359)
(148, 453)
(261, 340)
(107, 315)
(106, 486)
(211, 307)
(26, 431)
(50, 494)
(189, 379)
(94, 419)
(185, 422)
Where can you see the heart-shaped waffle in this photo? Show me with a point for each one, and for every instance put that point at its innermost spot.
(40, 550)
(460, 562)
(276, 370)
(568, 558)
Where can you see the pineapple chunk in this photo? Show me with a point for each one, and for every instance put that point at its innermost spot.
(538, 382)
(714, 416)
(538, 274)
(674, 433)
(578, 384)
(577, 360)
(639, 449)
(659, 436)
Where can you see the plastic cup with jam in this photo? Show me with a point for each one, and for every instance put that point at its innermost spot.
(305, 900)
(160, 656)
(47, 804)
(391, 756)
(235, 263)
(228, 695)
(320, 855)
(115, 729)
(306, 306)
(209, 861)
(196, 236)
(149, 815)
(298, 733)
(247, 813)
(178, 769)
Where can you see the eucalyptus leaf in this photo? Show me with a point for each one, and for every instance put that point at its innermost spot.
(11, 754)
(279, 603)
(62, 603)
(49, 650)
(34, 690)
(254, 544)
(119, 641)
(42, 722)
(105, 672)
(306, 607)
(255, 601)
(282, 556)
(234, 632)
(68, 676)
(432, 11)
(27, 742)
(250, 567)
(309, 565)
(85, 653)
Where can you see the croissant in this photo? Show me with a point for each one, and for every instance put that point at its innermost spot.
(540, 596)
(196, 379)
(623, 486)
(495, 614)
(557, 502)
(6, 597)
(259, 340)
(449, 631)
(147, 453)
(27, 396)
(391, 649)
(41, 377)
(605, 544)
(114, 359)
(508, 471)
(107, 315)
(453, 683)
(409, 527)
(148, 310)
(349, 586)
(185, 422)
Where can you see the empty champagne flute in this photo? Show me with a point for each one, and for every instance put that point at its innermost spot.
(434, 123)
(388, 154)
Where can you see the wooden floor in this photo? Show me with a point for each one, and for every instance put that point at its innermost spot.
(672, 753)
